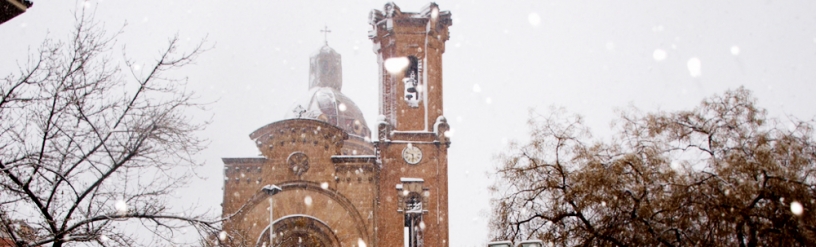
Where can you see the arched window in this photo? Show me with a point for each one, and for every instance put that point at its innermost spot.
(412, 203)
(411, 81)
(412, 231)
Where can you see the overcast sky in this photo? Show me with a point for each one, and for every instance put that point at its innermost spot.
(591, 57)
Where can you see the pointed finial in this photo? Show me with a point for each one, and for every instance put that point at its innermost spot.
(325, 32)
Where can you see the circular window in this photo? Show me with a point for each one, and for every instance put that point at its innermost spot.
(298, 162)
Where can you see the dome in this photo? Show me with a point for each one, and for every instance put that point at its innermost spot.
(324, 101)
(330, 105)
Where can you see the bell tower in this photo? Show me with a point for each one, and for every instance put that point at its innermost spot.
(411, 145)
(409, 49)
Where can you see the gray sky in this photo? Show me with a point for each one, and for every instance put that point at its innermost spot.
(591, 57)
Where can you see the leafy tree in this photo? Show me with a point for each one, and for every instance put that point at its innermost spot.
(722, 174)
(89, 150)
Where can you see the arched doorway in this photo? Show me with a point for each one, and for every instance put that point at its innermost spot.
(299, 230)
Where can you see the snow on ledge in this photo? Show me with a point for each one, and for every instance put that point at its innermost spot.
(412, 180)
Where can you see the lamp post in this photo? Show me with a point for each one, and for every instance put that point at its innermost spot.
(271, 190)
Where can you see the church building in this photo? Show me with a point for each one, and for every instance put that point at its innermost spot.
(324, 180)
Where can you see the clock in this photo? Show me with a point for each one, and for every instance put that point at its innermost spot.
(412, 154)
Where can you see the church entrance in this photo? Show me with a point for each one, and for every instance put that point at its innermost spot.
(300, 230)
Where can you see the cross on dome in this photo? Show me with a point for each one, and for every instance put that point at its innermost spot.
(325, 32)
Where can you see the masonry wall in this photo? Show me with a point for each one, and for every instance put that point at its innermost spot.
(338, 191)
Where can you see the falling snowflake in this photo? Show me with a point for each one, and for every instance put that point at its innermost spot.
(534, 19)
(735, 50)
(308, 201)
(396, 65)
(796, 208)
(676, 165)
(659, 55)
(121, 207)
(694, 67)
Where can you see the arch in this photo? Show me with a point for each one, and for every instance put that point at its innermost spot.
(288, 228)
(345, 203)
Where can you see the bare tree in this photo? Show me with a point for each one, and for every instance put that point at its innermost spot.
(722, 174)
(88, 150)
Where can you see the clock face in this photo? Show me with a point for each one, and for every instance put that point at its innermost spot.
(412, 154)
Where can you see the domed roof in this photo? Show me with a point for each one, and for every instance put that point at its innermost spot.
(331, 106)
(324, 101)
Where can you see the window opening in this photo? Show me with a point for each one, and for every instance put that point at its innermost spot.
(411, 82)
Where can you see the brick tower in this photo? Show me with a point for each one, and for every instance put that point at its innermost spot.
(411, 145)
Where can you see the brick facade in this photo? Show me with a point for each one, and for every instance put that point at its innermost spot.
(339, 187)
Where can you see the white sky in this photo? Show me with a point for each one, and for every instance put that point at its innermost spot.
(591, 57)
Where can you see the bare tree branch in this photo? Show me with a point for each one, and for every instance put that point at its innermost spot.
(74, 126)
(721, 174)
